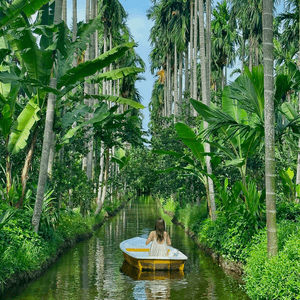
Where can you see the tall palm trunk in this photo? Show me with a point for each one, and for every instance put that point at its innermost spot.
(47, 139)
(104, 189)
(99, 196)
(269, 127)
(51, 155)
(169, 87)
(176, 106)
(250, 52)
(206, 100)
(180, 84)
(195, 96)
(88, 160)
(186, 80)
(298, 157)
(64, 11)
(191, 53)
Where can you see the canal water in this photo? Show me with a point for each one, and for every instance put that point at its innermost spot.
(95, 269)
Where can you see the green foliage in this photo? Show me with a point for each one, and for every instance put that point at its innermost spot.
(170, 205)
(285, 209)
(242, 205)
(278, 277)
(192, 215)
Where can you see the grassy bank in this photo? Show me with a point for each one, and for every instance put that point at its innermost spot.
(24, 255)
(243, 250)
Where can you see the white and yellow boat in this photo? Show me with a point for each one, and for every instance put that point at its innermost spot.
(136, 253)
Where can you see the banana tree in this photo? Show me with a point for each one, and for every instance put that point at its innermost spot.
(194, 159)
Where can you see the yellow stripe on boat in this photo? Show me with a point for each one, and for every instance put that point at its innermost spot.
(137, 249)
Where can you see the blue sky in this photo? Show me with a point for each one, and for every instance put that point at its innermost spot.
(140, 28)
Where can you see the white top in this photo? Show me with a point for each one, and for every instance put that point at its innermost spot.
(157, 249)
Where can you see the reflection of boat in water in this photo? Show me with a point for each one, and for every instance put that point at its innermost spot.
(136, 253)
(137, 274)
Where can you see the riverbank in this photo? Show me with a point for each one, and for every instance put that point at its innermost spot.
(28, 255)
(228, 265)
(246, 255)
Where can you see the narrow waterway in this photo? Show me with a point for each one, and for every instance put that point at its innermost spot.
(95, 269)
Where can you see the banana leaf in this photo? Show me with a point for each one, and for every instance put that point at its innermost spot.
(91, 67)
(70, 117)
(117, 99)
(21, 127)
(10, 13)
(117, 74)
(101, 114)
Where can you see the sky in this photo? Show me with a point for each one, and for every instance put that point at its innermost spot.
(140, 28)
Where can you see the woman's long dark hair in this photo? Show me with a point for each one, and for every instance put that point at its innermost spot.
(160, 229)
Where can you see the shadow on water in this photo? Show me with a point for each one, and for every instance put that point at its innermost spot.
(95, 269)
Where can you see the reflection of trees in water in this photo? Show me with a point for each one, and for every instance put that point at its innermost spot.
(91, 270)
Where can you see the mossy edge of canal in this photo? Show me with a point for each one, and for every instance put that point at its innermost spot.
(232, 267)
(20, 278)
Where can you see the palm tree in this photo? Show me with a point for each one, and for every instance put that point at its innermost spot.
(47, 138)
(205, 85)
(223, 38)
(269, 126)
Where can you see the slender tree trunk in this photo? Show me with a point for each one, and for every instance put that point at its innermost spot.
(51, 155)
(269, 127)
(45, 157)
(250, 53)
(99, 198)
(25, 170)
(195, 96)
(64, 12)
(186, 80)
(298, 156)
(165, 96)
(47, 139)
(104, 50)
(176, 104)
(103, 194)
(169, 88)
(74, 34)
(110, 66)
(243, 55)
(87, 163)
(191, 54)
(180, 84)
(8, 173)
(256, 62)
(206, 100)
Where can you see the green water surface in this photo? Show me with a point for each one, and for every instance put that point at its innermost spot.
(94, 269)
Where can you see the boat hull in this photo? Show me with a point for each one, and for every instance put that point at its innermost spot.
(154, 264)
(136, 253)
(137, 274)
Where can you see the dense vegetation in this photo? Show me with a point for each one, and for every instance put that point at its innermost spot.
(68, 155)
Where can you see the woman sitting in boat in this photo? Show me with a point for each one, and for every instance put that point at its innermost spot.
(159, 238)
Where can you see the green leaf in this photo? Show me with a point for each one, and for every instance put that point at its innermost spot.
(91, 67)
(116, 99)
(289, 111)
(117, 74)
(6, 121)
(70, 117)
(102, 114)
(13, 11)
(21, 127)
(189, 138)
(238, 162)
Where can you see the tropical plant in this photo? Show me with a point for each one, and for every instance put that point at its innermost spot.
(196, 150)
